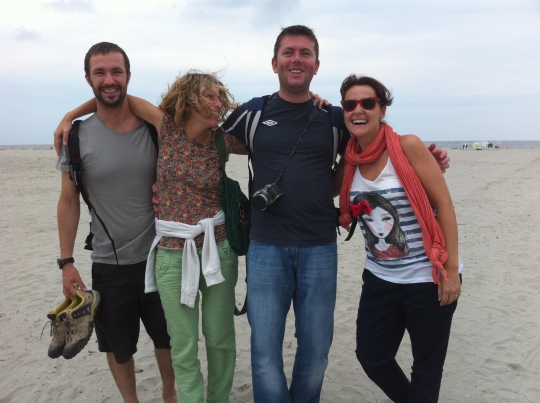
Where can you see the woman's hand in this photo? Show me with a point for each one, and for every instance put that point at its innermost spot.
(449, 288)
(61, 134)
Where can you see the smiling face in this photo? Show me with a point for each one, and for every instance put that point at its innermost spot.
(380, 222)
(296, 64)
(212, 103)
(108, 78)
(361, 123)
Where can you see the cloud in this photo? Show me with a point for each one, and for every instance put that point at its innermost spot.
(25, 34)
(71, 6)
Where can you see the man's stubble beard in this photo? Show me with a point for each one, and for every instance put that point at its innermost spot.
(116, 102)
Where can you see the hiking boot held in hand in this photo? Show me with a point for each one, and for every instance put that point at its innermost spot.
(58, 332)
(79, 322)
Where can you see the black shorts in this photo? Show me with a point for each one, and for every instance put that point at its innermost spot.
(123, 305)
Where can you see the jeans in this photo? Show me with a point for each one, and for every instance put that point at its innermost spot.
(278, 275)
(386, 310)
(183, 326)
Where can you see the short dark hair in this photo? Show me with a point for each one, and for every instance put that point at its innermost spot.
(104, 48)
(296, 30)
(382, 92)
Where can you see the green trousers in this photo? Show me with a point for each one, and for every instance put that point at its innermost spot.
(217, 308)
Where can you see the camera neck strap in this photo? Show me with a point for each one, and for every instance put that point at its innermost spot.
(312, 117)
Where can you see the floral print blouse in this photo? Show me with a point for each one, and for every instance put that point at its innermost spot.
(189, 179)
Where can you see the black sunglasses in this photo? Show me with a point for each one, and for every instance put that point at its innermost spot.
(349, 105)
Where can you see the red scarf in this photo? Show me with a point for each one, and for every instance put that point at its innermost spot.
(431, 230)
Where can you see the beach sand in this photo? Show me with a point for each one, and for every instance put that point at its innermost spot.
(494, 352)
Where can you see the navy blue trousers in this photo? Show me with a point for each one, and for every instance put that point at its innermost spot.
(386, 310)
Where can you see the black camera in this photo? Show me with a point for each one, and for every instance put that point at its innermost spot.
(264, 197)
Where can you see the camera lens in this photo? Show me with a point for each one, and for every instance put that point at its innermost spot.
(260, 200)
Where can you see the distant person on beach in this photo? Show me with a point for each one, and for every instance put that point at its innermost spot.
(412, 278)
(119, 168)
(293, 252)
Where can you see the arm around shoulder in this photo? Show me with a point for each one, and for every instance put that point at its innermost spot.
(61, 134)
(239, 147)
(146, 111)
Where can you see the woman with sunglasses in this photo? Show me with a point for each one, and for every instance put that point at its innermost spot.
(416, 291)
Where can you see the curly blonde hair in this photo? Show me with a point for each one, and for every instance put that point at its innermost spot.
(188, 90)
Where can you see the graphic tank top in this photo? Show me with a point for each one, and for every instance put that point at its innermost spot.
(393, 237)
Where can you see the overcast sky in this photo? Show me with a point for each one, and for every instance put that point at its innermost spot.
(459, 70)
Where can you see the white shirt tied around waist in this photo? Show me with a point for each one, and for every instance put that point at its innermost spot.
(211, 267)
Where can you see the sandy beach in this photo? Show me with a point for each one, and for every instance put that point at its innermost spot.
(494, 352)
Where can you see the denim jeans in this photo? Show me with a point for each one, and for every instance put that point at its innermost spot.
(386, 310)
(278, 275)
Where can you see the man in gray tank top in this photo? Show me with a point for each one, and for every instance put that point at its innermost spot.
(118, 169)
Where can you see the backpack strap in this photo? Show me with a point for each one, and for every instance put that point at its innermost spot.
(338, 127)
(153, 134)
(75, 170)
(75, 162)
(351, 231)
(255, 108)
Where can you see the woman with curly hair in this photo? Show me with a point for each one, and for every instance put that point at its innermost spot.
(412, 274)
(191, 235)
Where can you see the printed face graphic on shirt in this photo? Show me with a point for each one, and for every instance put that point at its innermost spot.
(385, 238)
(380, 222)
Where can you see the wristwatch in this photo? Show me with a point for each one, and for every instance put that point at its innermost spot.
(63, 262)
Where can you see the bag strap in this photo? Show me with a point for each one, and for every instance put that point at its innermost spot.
(75, 169)
(338, 127)
(219, 138)
(153, 134)
(255, 108)
(351, 231)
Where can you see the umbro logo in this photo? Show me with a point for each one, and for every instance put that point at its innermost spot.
(269, 123)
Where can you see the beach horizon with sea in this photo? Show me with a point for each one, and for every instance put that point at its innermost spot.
(457, 144)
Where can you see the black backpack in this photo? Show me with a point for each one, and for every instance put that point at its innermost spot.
(75, 174)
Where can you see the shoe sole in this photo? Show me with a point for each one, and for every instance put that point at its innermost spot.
(77, 347)
(57, 352)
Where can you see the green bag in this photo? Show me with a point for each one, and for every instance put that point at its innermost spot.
(235, 205)
(237, 211)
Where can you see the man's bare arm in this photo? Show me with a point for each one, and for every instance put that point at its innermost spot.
(68, 221)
